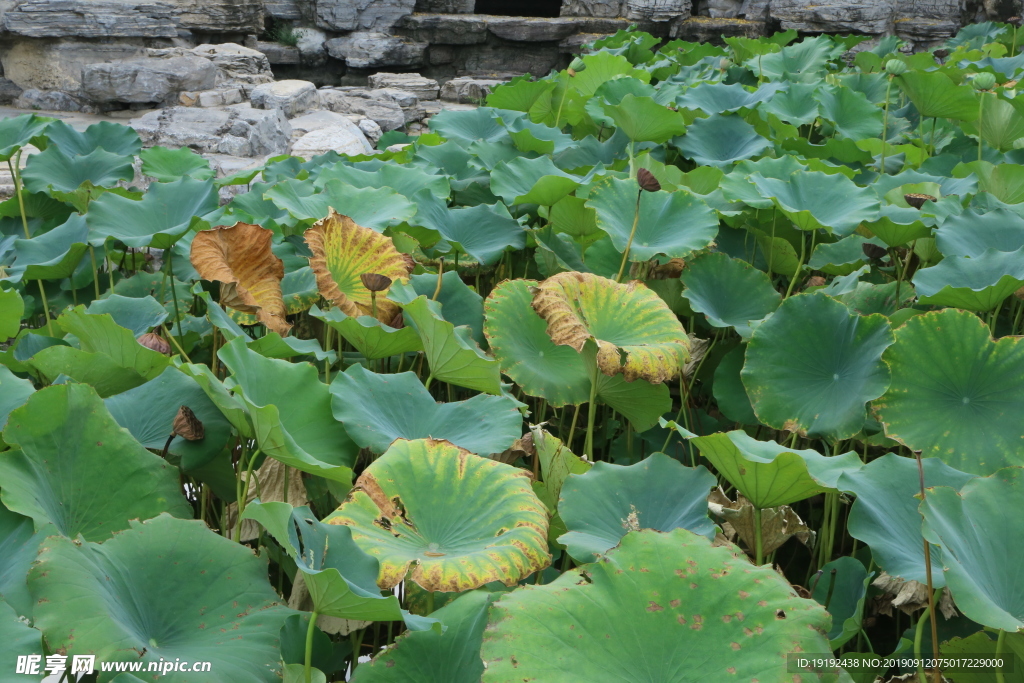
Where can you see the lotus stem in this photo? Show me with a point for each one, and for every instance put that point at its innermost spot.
(373, 304)
(981, 122)
(16, 175)
(799, 267)
(243, 497)
(327, 348)
(758, 541)
(885, 124)
(1000, 643)
(831, 588)
(310, 630)
(174, 296)
(440, 274)
(95, 271)
(588, 446)
(572, 427)
(932, 593)
(174, 340)
(632, 234)
(430, 378)
(565, 91)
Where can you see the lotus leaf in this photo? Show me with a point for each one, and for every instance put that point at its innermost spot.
(460, 303)
(12, 307)
(158, 220)
(21, 638)
(449, 519)
(375, 208)
(936, 95)
(978, 283)
(114, 138)
(19, 544)
(842, 587)
(483, 231)
(369, 336)
(54, 254)
(644, 120)
(813, 200)
(531, 181)
(18, 131)
(729, 292)
(720, 141)
(850, 112)
(971, 234)
(167, 165)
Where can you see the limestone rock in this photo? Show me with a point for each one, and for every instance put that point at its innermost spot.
(93, 19)
(278, 53)
(147, 80)
(58, 64)
(311, 45)
(385, 112)
(706, 29)
(218, 16)
(365, 15)
(424, 88)
(341, 139)
(445, 6)
(657, 10)
(928, 20)
(721, 9)
(9, 91)
(236, 65)
(533, 29)
(291, 96)
(445, 29)
(211, 98)
(238, 130)
(315, 120)
(371, 130)
(49, 100)
(289, 10)
(592, 8)
(861, 16)
(468, 90)
(371, 50)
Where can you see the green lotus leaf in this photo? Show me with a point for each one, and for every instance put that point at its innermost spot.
(460, 303)
(954, 392)
(54, 254)
(719, 98)
(671, 223)
(115, 138)
(375, 208)
(795, 105)
(14, 391)
(896, 225)
(768, 474)
(18, 131)
(737, 185)
(842, 257)
(557, 462)
(842, 587)
(934, 94)
(980, 283)
(55, 172)
(802, 62)
(369, 336)
(531, 181)
(68, 449)
(518, 95)
(290, 409)
(518, 338)
(19, 544)
(644, 120)
(341, 578)
(971, 234)
(167, 165)
(983, 644)
(601, 506)
(231, 407)
(450, 520)
(148, 412)
(109, 358)
(20, 639)
(720, 140)
(813, 200)
(428, 656)
(885, 514)
(970, 526)
(378, 409)
(483, 231)
(153, 284)
(537, 137)
(729, 292)
(850, 112)
(452, 354)
(158, 220)
(813, 365)
(1005, 182)
(405, 180)
(467, 127)
(140, 315)
(649, 343)
(728, 389)
(12, 307)
(164, 589)
(1001, 123)
(622, 618)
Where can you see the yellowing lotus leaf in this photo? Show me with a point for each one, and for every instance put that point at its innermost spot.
(239, 257)
(343, 250)
(636, 333)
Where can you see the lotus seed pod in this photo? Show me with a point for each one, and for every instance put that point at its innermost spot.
(577, 65)
(155, 342)
(984, 81)
(895, 67)
(647, 180)
(917, 200)
(187, 425)
(375, 282)
(873, 251)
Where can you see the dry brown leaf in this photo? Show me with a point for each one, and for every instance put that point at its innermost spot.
(778, 524)
(239, 257)
(343, 251)
(268, 485)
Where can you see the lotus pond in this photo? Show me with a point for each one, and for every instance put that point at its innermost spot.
(671, 366)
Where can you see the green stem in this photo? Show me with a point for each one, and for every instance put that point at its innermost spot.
(430, 602)
(95, 271)
(932, 592)
(1000, 642)
(918, 636)
(565, 91)
(885, 124)
(632, 234)
(373, 299)
(430, 378)
(174, 296)
(16, 175)
(572, 428)
(981, 109)
(309, 647)
(758, 542)
(244, 497)
(799, 266)
(588, 447)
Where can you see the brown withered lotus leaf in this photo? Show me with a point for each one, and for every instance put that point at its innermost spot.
(343, 251)
(647, 180)
(187, 425)
(239, 257)
(155, 342)
(637, 335)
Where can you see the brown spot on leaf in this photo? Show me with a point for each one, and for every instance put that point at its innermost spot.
(654, 607)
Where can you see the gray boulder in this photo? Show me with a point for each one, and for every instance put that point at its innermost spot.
(236, 65)
(344, 138)
(365, 15)
(423, 88)
(94, 19)
(239, 130)
(151, 80)
(371, 50)
(384, 112)
(446, 29)
(311, 45)
(291, 96)
(278, 53)
(50, 100)
(468, 90)
(592, 8)
(9, 91)
(531, 29)
(863, 16)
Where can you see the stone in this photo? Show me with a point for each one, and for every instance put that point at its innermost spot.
(928, 20)
(238, 130)
(386, 113)
(152, 80)
(9, 91)
(58, 64)
(279, 54)
(371, 130)
(291, 96)
(532, 29)
(49, 100)
(288, 10)
(403, 98)
(591, 8)
(708, 30)
(437, 29)
(236, 65)
(468, 90)
(315, 120)
(722, 9)
(424, 88)
(372, 50)
(218, 16)
(211, 98)
(365, 15)
(445, 6)
(657, 10)
(341, 139)
(815, 16)
(224, 165)
(310, 42)
(90, 19)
